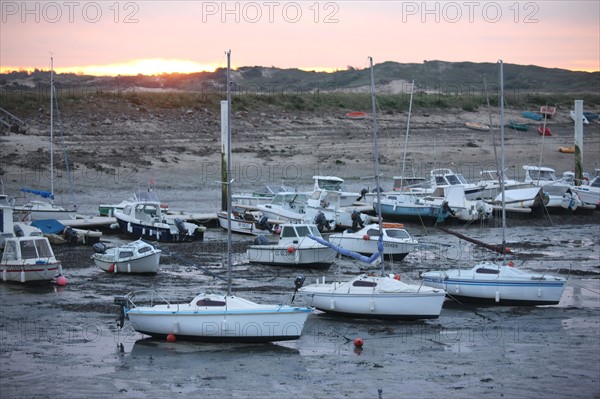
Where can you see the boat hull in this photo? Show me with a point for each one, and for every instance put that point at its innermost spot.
(400, 306)
(276, 255)
(146, 264)
(391, 250)
(268, 324)
(500, 292)
(157, 233)
(241, 226)
(30, 272)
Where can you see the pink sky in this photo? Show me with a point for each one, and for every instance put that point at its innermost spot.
(306, 34)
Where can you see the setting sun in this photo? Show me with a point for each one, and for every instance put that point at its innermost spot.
(150, 66)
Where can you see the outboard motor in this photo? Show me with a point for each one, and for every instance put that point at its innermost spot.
(263, 224)
(122, 302)
(70, 235)
(180, 224)
(356, 220)
(362, 194)
(298, 283)
(322, 222)
(261, 240)
(99, 247)
(446, 208)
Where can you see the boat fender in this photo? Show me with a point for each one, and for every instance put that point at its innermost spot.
(396, 277)
(99, 248)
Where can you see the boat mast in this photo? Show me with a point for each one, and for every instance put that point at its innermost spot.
(502, 158)
(51, 129)
(229, 181)
(376, 156)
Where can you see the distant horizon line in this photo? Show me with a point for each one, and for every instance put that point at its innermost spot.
(159, 66)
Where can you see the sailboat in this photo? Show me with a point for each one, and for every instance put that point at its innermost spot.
(381, 296)
(498, 283)
(39, 210)
(218, 317)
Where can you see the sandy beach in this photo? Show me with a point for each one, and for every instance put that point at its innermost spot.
(64, 341)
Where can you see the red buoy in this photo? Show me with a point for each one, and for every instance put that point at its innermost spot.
(171, 338)
(358, 342)
(290, 249)
(366, 237)
(61, 280)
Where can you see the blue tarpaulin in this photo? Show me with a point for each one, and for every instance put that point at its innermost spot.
(49, 226)
(349, 253)
(43, 194)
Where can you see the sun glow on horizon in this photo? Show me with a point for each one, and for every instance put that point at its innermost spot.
(147, 66)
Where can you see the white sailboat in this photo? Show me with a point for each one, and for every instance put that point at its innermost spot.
(374, 296)
(39, 210)
(498, 283)
(218, 317)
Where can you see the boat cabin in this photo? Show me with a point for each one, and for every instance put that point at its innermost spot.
(144, 211)
(445, 177)
(409, 183)
(331, 183)
(26, 250)
(539, 174)
(293, 233)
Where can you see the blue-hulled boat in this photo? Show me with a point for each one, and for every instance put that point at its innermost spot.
(406, 206)
(532, 115)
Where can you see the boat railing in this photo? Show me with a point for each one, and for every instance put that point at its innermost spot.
(154, 297)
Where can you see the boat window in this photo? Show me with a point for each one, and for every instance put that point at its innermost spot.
(373, 232)
(127, 210)
(125, 254)
(10, 251)
(440, 181)
(483, 270)
(392, 197)
(398, 233)
(314, 231)
(302, 231)
(452, 179)
(362, 283)
(330, 185)
(43, 249)
(28, 250)
(462, 179)
(595, 183)
(288, 231)
(143, 250)
(209, 302)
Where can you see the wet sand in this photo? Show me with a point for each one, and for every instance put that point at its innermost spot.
(64, 341)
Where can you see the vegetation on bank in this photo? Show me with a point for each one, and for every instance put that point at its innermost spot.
(24, 102)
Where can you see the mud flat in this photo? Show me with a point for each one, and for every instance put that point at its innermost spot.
(64, 342)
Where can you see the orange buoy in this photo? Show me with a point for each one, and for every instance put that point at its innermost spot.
(171, 338)
(397, 277)
(366, 237)
(358, 342)
(290, 249)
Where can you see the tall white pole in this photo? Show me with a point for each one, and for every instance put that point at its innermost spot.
(376, 156)
(51, 129)
(229, 181)
(502, 157)
(578, 141)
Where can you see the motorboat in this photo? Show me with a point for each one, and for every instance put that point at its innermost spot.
(134, 257)
(289, 206)
(294, 248)
(245, 221)
(29, 258)
(397, 242)
(147, 220)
